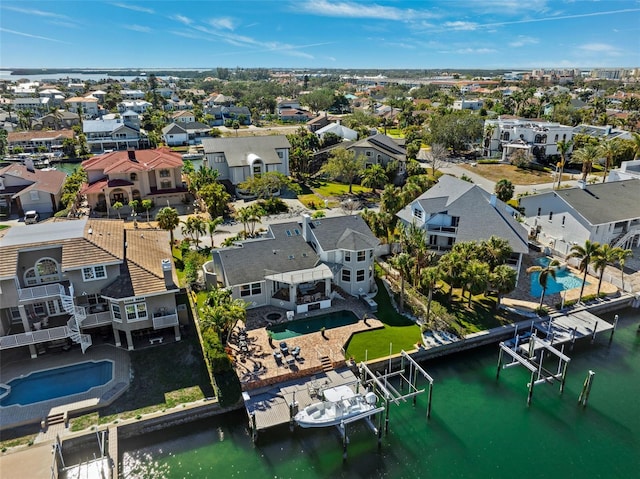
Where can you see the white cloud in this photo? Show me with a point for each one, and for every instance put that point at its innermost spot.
(135, 8)
(358, 10)
(137, 28)
(225, 23)
(523, 40)
(38, 13)
(458, 25)
(479, 51)
(29, 35)
(600, 48)
(182, 19)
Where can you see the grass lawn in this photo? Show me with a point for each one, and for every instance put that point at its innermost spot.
(4, 227)
(393, 132)
(327, 189)
(482, 314)
(314, 202)
(162, 378)
(401, 332)
(517, 176)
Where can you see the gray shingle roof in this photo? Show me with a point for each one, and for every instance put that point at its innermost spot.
(479, 220)
(280, 253)
(605, 202)
(343, 232)
(237, 150)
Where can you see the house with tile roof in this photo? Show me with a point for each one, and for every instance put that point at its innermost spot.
(33, 141)
(238, 159)
(24, 188)
(71, 280)
(124, 176)
(89, 105)
(297, 265)
(604, 212)
(454, 211)
(63, 120)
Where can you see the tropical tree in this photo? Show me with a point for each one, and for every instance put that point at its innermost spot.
(403, 263)
(201, 177)
(451, 266)
(194, 226)
(118, 206)
(267, 184)
(503, 280)
(623, 256)
(586, 155)
(147, 205)
(475, 278)
(585, 254)
(608, 149)
(636, 145)
(504, 190)
(495, 251)
(545, 272)
(212, 226)
(563, 148)
(607, 255)
(215, 197)
(25, 119)
(344, 164)
(168, 220)
(374, 177)
(221, 313)
(250, 216)
(429, 279)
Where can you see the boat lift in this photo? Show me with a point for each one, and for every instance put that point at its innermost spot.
(527, 355)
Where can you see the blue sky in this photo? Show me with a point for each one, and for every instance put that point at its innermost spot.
(320, 33)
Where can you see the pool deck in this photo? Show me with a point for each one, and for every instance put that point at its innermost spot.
(16, 415)
(259, 368)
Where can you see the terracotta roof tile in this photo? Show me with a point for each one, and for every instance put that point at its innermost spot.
(145, 160)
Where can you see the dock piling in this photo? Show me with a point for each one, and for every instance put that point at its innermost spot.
(586, 389)
(615, 324)
(500, 361)
(593, 336)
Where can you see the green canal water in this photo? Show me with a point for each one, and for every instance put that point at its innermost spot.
(479, 428)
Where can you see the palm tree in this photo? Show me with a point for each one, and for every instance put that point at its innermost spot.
(476, 278)
(429, 279)
(563, 148)
(250, 216)
(194, 226)
(586, 155)
(147, 204)
(451, 265)
(545, 273)
(623, 256)
(586, 254)
(636, 145)
(608, 149)
(403, 263)
(495, 251)
(503, 281)
(25, 119)
(212, 226)
(606, 256)
(489, 129)
(168, 220)
(374, 177)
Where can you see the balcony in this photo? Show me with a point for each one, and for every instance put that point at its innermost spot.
(442, 229)
(97, 319)
(41, 292)
(34, 337)
(165, 319)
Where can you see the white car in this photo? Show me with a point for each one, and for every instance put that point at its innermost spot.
(31, 217)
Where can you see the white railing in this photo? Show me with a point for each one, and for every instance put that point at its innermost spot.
(34, 337)
(165, 321)
(97, 319)
(36, 292)
(621, 240)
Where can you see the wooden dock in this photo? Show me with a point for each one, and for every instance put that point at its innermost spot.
(269, 408)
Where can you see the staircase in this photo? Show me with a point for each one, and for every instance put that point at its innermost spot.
(56, 418)
(326, 363)
(620, 240)
(78, 315)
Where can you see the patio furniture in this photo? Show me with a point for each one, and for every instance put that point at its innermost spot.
(157, 340)
(295, 351)
(284, 349)
(291, 361)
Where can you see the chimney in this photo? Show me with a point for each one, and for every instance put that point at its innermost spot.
(132, 155)
(306, 225)
(492, 200)
(167, 273)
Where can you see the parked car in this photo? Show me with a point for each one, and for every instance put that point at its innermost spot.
(31, 217)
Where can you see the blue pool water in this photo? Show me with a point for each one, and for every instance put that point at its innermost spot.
(564, 280)
(312, 325)
(58, 382)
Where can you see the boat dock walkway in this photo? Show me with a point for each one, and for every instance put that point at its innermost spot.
(269, 408)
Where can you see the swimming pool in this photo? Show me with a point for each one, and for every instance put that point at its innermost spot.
(58, 382)
(311, 325)
(564, 280)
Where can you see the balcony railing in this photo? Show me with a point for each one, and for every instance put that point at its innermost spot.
(97, 319)
(34, 337)
(165, 321)
(38, 292)
(442, 229)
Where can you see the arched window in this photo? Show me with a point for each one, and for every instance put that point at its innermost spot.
(46, 270)
(506, 136)
(538, 139)
(133, 176)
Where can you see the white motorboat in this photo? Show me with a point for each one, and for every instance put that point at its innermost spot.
(339, 403)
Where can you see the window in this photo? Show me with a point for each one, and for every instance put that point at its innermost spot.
(417, 213)
(133, 176)
(250, 289)
(280, 154)
(165, 173)
(257, 170)
(360, 275)
(218, 158)
(539, 211)
(34, 195)
(362, 255)
(115, 311)
(45, 271)
(555, 139)
(563, 218)
(550, 215)
(165, 184)
(347, 255)
(94, 272)
(368, 153)
(506, 136)
(136, 312)
(346, 275)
